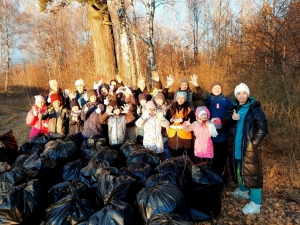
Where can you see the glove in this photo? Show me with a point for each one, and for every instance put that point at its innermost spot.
(235, 116)
(170, 81)
(34, 112)
(106, 101)
(98, 110)
(155, 76)
(187, 123)
(194, 80)
(49, 100)
(40, 115)
(86, 108)
(145, 115)
(127, 90)
(100, 82)
(178, 120)
(120, 89)
(160, 115)
(96, 86)
(109, 110)
(118, 78)
(125, 108)
(205, 96)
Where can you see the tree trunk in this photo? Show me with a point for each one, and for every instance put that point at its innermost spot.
(150, 9)
(103, 39)
(7, 69)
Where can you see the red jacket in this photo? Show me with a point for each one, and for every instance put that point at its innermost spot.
(38, 125)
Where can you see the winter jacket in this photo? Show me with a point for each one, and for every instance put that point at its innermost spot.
(191, 96)
(38, 125)
(64, 100)
(116, 126)
(92, 126)
(75, 126)
(58, 121)
(81, 98)
(255, 129)
(217, 106)
(153, 138)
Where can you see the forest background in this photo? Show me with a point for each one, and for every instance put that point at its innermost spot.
(256, 42)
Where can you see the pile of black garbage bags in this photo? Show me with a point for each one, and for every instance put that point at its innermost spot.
(88, 183)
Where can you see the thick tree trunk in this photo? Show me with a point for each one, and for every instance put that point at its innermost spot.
(103, 39)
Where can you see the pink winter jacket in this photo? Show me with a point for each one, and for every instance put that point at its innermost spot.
(203, 132)
(38, 125)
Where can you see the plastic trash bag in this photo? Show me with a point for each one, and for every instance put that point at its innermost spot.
(20, 160)
(17, 175)
(164, 197)
(89, 174)
(111, 185)
(111, 156)
(204, 191)
(71, 171)
(41, 139)
(90, 148)
(155, 179)
(144, 155)
(31, 147)
(129, 146)
(114, 212)
(168, 219)
(8, 148)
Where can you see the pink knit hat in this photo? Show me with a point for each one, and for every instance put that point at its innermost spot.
(200, 110)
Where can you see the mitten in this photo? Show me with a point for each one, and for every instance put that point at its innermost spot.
(96, 86)
(170, 81)
(205, 96)
(194, 80)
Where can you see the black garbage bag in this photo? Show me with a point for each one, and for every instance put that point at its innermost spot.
(113, 185)
(89, 174)
(168, 219)
(111, 156)
(204, 190)
(15, 176)
(90, 148)
(8, 148)
(198, 216)
(70, 209)
(41, 139)
(71, 171)
(145, 155)
(61, 152)
(20, 203)
(114, 212)
(161, 177)
(20, 160)
(129, 146)
(31, 147)
(140, 171)
(163, 197)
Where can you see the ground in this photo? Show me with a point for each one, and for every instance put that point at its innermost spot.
(281, 192)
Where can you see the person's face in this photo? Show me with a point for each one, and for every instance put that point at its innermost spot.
(184, 86)
(141, 84)
(39, 104)
(159, 102)
(54, 87)
(143, 102)
(113, 85)
(180, 100)
(104, 92)
(75, 108)
(152, 112)
(56, 103)
(203, 117)
(80, 88)
(216, 90)
(242, 97)
(117, 111)
(93, 98)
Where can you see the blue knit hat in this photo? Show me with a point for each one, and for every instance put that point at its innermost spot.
(181, 93)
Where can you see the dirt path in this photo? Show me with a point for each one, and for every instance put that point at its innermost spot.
(10, 118)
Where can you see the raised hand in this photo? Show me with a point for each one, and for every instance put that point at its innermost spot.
(160, 115)
(118, 78)
(125, 108)
(187, 123)
(235, 116)
(109, 110)
(193, 80)
(145, 115)
(96, 86)
(155, 76)
(170, 81)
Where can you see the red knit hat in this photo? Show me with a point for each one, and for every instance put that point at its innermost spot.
(54, 97)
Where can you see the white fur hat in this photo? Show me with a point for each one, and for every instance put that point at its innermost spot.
(79, 82)
(241, 87)
(39, 98)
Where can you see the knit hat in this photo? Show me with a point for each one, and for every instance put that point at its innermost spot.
(54, 97)
(159, 95)
(142, 96)
(90, 93)
(39, 98)
(181, 93)
(150, 105)
(53, 83)
(200, 110)
(74, 102)
(79, 82)
(241, 87)
(184, 80)
(214, 84)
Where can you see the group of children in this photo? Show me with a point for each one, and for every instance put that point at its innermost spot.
(117, 112)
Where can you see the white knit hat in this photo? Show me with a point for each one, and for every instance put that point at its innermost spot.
(241, 87)
(79, 82)
(150, 105)
(39, 98)
(53, 83)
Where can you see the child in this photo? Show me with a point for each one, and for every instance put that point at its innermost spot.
(80, 94)
(179, 140)
(116, 121)
(139, 110)
(203, 130)
(58, 119)
(55, 89)
(217, 105)
(152, 122)
(90, 114)
(39, 126)
(75, 122)
(249, 128)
